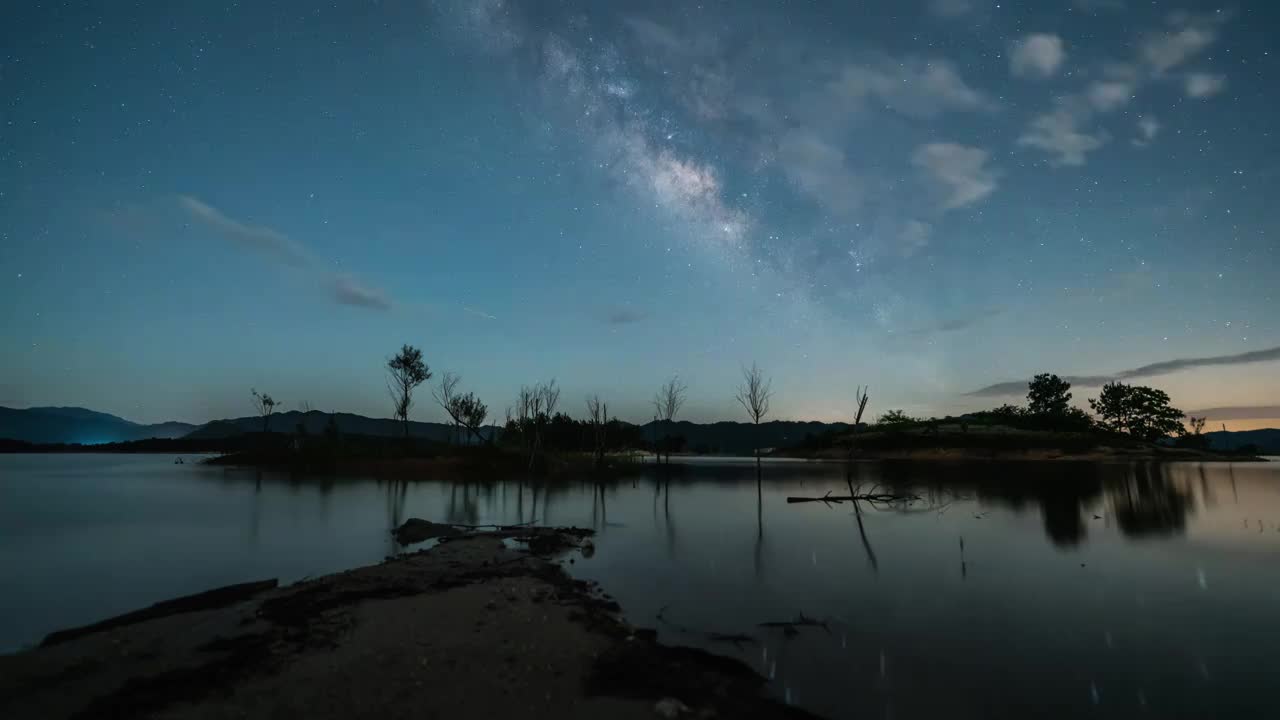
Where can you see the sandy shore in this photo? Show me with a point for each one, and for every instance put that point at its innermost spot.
(471, 628)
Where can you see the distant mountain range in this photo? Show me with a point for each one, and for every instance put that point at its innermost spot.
(1267, 440)
(315, 422)
(79, 425)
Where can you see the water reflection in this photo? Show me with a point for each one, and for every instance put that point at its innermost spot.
(1012, 587)
(1148, 502)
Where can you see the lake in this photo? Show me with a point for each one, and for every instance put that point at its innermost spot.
(1046, 590)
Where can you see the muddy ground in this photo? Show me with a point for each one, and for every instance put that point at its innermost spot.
(472, 628)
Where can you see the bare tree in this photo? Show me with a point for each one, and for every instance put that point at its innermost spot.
(861, 396)
(472, 413)
(598, 416)
(265, 406)
(550, 397)
(753, 395)
(667, 403)
(534, 408)
(446, 395)
(527, 406)
(305, 406)
(407, 371)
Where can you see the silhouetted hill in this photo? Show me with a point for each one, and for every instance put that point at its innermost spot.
(1267, 441)
(79, 425)
(315, 422)
(53, 425)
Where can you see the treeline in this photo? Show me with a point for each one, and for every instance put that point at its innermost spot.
(1125, 412)
(536, 423)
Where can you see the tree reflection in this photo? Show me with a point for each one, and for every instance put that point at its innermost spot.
(1149, 503)
(758, 555)
(862, 531)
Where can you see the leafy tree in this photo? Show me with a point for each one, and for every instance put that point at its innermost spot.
(265, 406)
(407, 371)
(1197, 425)
(1009, 412)
(1195, 437)
(1140, 411)
(1048, 395)
(895, 417)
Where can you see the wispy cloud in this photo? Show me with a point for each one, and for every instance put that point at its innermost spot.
(1060, 132)
(1167, 49)
(1066, 131)
(950, 8)
(341, 288)
(910, 86)
(347, 291)
(962, 322)
(1159, 368)
(820, 170)
(479, 313)
(961, 171)
(1237, 412)
(623, 316)
(1148, 128)
(914, 236)
(1037, 54)
(1098, 5)
(1107, 95)
(261, 239)
(1204, 85)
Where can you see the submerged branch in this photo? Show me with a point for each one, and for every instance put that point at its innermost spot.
(883, 497)
(789, 627)
(710, 635)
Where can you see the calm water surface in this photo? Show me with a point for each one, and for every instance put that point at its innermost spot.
(1065, 590)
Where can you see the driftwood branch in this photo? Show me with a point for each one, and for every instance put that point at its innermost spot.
(709, 635)
(873, 497)
(790, 627)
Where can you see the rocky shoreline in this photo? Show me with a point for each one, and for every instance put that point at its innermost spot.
(484, 624)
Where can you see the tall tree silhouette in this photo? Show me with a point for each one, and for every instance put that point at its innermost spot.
(407, 371)
(667, 403)
(1048, 394)
(265, 406)
(1141, 411)
(862, 396)
(472, 414)
(598, 416)
(447, 397)
(753, 395)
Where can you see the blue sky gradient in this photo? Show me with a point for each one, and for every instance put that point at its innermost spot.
(928, 197)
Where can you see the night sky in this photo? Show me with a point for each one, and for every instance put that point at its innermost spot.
(931, 197)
